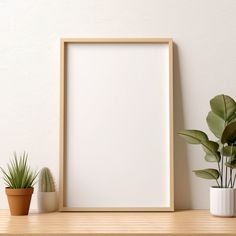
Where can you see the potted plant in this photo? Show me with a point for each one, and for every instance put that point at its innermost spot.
(47, 196)
(221, 120)
(20, 180)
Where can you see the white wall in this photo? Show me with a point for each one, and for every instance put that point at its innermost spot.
(205, 65)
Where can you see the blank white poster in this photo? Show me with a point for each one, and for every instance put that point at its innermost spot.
(118, 137)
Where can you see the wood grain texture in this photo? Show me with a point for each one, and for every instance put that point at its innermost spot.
(116, 40)
(171, 121)
(196, 222)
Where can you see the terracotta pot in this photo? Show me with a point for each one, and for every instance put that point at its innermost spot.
(19, 200)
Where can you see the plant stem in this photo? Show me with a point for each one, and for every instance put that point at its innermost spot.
(217, 183)
(222, 167)
(219, 167)
(226, 174)
(231, 172)
(222, 159)
(231, 183)
(234, 179)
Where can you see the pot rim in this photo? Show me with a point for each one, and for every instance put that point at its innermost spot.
(217, 187)
(19, 191)
(19, 188)
(46, 192)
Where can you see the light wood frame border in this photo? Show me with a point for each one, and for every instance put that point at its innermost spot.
(63, 120)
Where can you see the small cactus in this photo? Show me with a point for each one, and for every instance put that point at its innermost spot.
(46, 182)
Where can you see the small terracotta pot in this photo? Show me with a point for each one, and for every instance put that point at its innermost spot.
(19, 200)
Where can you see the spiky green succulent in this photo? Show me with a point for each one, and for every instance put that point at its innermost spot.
(18, 173)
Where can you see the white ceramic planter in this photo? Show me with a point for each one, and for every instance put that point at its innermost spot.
(47, 201)
(222, 201)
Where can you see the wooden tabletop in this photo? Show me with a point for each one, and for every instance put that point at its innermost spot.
(194, 222)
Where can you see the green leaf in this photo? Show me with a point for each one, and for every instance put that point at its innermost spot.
(232, 118)
(223, 106)
(211, 150)
(229, 134)
(215, 124)
(211, 158)
(207, 173)
(228, 151)
(193, 136)
(231, 164)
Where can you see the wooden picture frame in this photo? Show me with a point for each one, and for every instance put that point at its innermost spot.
(76, 49)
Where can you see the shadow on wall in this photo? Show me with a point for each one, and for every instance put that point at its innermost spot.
(182, 192)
